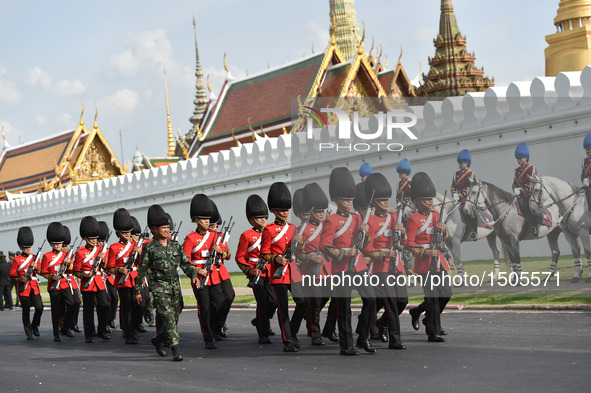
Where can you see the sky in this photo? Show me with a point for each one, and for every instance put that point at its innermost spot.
(111, 54)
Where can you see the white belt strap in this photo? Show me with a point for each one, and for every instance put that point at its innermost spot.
(201, 243)
(345, 227)
(256, 245)
(424, 227)
(55, 259)
(385, 227)
(314, 235)
(25, 263)
(90, 256)
(280, 234)
(122, 252)
(199, 261)
(252, 259)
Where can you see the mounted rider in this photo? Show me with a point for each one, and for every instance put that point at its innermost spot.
(522, 187)
(403, 192)
(586, 172)
(460, 185)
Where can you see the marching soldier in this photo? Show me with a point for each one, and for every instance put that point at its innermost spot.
(73, 281)
(198, 247)
(312, 261)
(276, 249)
(386, 259)
(247, 257)
(420, 228)
(136, 232)
(299, 313)
(130, 312)
(24, 271)
(61, 293)
(88, 267)
(403, 193)
(522, 185)
(459, 190)
(160, 260)
(337, 242)
(104, 234)
(220, 328)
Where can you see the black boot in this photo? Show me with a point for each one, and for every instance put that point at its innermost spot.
(176, 354)
(365, 344)
(159, 347)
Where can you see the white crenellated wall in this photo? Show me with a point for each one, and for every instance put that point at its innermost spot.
(552, 115)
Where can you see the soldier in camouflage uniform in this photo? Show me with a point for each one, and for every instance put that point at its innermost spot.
(160, 260)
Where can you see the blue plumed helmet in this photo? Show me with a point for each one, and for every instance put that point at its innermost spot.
(465, 156)
(365, 169)
(403, 166)
(522, 151)
(587, 141)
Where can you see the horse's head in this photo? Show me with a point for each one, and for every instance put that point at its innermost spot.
(537, 194)
(473, 197)
(408, 210)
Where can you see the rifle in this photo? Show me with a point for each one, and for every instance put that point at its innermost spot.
(289, 252)
(260, 265)
(212, 257)
(225, 238)
(30, 269)
(437, 239)
(175, 235)
(63, 267)
(360, 238)
(396, 238)
(134, 256)
(98, 262)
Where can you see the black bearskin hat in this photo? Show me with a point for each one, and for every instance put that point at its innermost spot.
(256, 207)
(25, 237)
(89, 227)
(421, 186)
(279, 196)
(201, 206)
(122, 220)
(378, 185)
(55, 232)
(314, 197)
(341, 184)
(157, 217)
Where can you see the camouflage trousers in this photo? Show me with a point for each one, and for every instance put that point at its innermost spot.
(168, 308)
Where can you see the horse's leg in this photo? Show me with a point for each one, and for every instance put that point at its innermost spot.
(454, 246)
(511, 245)
(553, 243)
(571, 238)
(492, 243)
(586, 243)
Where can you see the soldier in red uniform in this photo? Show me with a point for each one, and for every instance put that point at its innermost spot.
(247, 257)
(58, 286)
(403, 193)
(312, 261)
(276, 249)
(586, 171)
(88, 266)
(130, 312)
(522, 185)
(386, 260)
(429, 263)
(220, 328)
(28, 287)
(460, 185)
(103, 238)
(73, 281)
(337, 242)
(198, 246)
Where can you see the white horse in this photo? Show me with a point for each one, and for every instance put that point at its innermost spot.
(575, 217)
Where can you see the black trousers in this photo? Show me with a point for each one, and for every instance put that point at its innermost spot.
(210, 299)
(229, 295)
(266, 305)
(394, 298)
(436, 299)
(100, 299)
(6, 295)
(62, 301)
(366, 318)
(113, 301)
(26, 303)
(281, 292)
(317, 303)
(130, 312)
(15, 286)
(75, 306)
(331, 317)
(301, 309)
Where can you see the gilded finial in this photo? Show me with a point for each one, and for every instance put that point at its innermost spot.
(285, 131)
(386, 66)
(208, 85)
(400, 57)
(372, 43)
(3, 134)
(199, 133)
(254, 135)
(235, 139)
(82, 113)
(360, 50)
(263, 132)
(333, 40)
(194, 23)
(225, 66)
(95, 115)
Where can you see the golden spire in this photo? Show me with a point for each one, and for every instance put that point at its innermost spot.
(95, 116)
(400, 57)
(360, 50)
(235, 139)
(254, 135)
(82, 113)
(344, 27)
(225, 65)
(171, 146)
(3, 134)
(333, 40)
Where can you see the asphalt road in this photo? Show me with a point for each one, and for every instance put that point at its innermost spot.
(484, 352)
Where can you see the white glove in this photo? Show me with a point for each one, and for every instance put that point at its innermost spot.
(586, 182)
(455, 196)
(516, 191)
